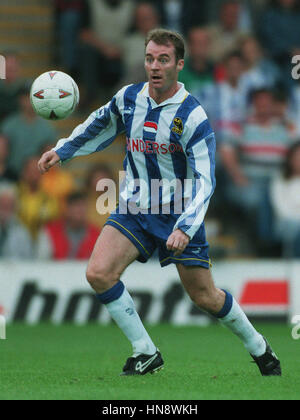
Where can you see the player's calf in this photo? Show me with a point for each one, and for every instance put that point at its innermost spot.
(221, 304)
(199, 284)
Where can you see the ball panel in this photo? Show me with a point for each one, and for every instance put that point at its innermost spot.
(54, 95)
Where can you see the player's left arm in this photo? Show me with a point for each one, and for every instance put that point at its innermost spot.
(177, 242)
(93, 135)
(200, 148)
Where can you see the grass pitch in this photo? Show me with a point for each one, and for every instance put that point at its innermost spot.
(83, 362)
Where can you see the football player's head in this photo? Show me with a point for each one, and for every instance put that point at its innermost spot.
(164, 58)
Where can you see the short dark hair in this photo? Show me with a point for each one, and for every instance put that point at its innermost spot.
(165, 37)
(75, 196)
(233, 54)
(261, 91)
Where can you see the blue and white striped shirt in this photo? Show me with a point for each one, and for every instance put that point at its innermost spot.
(169, 141)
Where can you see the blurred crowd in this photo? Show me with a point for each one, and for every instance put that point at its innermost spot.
(238, 65)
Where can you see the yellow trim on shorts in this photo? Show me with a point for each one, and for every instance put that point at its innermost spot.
(123, 227)
(187, 259)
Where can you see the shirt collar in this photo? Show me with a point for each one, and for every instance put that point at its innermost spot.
(178, 98)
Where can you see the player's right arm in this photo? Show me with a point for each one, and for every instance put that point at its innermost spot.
(95, 134)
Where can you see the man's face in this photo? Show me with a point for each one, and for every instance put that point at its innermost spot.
(25, 104)
(31, 174)
(7, 206)
(287, 3)
(251, 51)
(98, 176)
(76, 214)
(145, 18)
(3, 148)
(295, 162)
(161, 67)
(263, 104)
(12, 68)
(230, 15)
(234, 68)
(199, 44)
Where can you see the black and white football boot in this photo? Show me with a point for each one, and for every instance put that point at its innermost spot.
(142, 364)
(268, 363)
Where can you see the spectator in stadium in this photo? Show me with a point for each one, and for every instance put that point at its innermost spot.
(71, 237)
(57, 184)
(198, 72)
(145, 19)
(248, 12)
(11, 85)
(105, 24)
(279, 31)
(15, 241)
(282, 111)
(68, 22)
(253, 161)
(181, 15)
(285, 200)
(35, 206)
(98, 172)
(5, 173)
(226, 34)
(295, 105)
(230, 100)
(27, 133)
(260, 72)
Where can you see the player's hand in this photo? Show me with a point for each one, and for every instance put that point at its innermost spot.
(177, 242)
(48, 160)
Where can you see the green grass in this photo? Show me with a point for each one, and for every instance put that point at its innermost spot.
(68, 362)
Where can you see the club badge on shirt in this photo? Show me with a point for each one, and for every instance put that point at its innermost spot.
(178, 126)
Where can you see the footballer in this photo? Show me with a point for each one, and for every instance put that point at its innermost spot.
(168, 138)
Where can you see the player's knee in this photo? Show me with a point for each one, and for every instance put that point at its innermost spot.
(101, 278)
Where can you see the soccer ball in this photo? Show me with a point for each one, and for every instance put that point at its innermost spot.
(54, 95)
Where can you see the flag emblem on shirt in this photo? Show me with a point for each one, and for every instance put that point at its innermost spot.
(150, 127)
(178, 126)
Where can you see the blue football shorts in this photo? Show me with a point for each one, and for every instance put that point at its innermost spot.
(150, 231)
